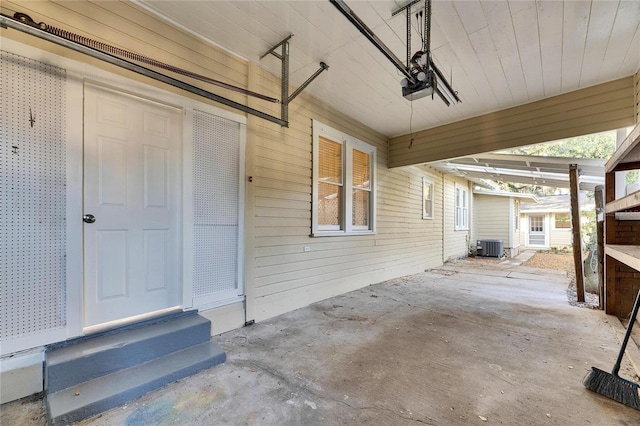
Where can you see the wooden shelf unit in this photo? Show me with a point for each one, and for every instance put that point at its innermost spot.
(622, 237)
(627, 202)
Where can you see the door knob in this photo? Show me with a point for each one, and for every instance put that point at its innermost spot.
(88, 218)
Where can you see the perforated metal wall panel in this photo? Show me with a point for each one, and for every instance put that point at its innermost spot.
(32, 197)
(216, 168)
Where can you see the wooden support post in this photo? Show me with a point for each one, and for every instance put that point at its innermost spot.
(611, 292)
(575, 226)
(599, 196)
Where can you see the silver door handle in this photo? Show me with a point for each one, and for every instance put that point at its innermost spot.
(88, 218)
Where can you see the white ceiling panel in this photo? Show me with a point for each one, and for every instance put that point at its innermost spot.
(632, 58)
(550, 13)
(471, 15)
(498, 53)
(601, 21)
(574, 38)
(525, 25)
(498, 16)
(624, 29)
(491, 66)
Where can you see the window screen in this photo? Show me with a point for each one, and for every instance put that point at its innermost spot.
(361, 187)
(343, 183)
(562, 221)
(329, 183)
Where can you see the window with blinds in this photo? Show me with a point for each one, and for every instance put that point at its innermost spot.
(361, 189)
(329, 194)
(343, 183)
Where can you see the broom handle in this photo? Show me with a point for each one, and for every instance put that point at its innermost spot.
(627, 335)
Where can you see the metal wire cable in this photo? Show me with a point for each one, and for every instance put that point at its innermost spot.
(116, 51)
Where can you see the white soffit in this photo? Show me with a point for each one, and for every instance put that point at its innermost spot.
(497, 54)
(526, 169)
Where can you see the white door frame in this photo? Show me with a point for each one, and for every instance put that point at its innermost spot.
(77, 73)
(545, 224)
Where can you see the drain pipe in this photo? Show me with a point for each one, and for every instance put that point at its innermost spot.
(443, 223)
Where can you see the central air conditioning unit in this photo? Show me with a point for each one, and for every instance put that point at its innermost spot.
(490, 248)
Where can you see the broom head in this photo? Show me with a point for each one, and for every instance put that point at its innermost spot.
(613, 387)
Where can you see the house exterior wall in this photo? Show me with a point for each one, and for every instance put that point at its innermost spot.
(517, 242)
(280, 274)
(560, 238)
(456, 242)
(492, 218)
(524, 222)
(433, 237)
(556, 238)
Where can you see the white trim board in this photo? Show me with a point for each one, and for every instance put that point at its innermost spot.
(77, 74)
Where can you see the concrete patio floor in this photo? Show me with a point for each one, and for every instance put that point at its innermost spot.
(470, 343)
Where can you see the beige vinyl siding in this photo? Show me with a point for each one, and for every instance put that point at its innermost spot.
(594, 109)
(492, 218)
(559, 238)
(456, 243)
(517, 241)
(279, 275)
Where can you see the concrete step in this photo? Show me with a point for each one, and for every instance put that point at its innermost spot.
(94, 356)
(103, 393)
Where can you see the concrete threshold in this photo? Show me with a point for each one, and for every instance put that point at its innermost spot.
(448, 347)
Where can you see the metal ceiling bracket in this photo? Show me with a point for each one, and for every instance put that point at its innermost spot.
(369, 34)
(449, 94)
(407, 8)
(8, 22)
(285, 98)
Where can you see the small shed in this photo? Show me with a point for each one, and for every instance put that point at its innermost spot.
(546, 224)
(497, 218)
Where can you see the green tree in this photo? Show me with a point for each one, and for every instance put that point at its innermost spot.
(597, 145)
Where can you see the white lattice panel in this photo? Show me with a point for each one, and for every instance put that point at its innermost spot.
(216, 167)
(32, 197)
(215, 258)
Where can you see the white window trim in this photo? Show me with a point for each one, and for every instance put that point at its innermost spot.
(348, 143)
(425, 182)
(465, 210)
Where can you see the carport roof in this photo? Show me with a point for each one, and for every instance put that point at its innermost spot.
(525, 169)
(560, 203)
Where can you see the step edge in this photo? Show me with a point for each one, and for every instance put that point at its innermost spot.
(216, 357)
(112, 337)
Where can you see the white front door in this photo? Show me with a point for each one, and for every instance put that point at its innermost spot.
(537, 231)
(132, 251)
